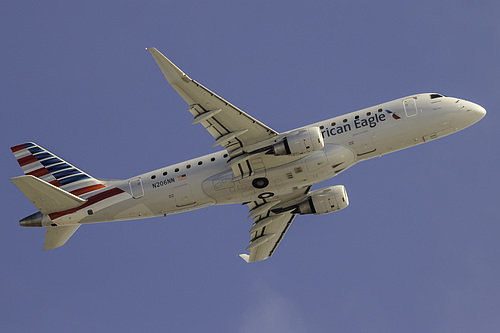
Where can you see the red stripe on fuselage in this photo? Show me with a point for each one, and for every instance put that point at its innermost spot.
(90, 201)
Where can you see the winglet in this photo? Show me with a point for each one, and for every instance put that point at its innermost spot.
(245, 257)
(172, 73)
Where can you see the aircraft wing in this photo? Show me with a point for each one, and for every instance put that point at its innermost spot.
(272, 218)
(231, 127)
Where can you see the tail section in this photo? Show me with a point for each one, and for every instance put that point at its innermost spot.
(53, 185)
(58, 236)
(47, 197)
(42, 164)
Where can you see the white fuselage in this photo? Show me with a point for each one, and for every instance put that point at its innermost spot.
(209, 180)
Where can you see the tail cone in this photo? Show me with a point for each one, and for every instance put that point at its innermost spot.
(34, 220)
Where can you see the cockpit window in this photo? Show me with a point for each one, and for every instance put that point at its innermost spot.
(436, 96)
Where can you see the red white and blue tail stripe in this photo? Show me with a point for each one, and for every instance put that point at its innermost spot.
(38, 162)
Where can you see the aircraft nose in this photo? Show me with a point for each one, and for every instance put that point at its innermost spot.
(477, 111)
(473, 112)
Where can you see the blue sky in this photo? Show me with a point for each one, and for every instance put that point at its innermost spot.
(416, 251)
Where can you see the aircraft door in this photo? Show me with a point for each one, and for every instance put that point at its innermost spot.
(136, 188)
(410, 105)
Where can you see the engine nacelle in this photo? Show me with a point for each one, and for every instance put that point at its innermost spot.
(323, 201)
(304, 141)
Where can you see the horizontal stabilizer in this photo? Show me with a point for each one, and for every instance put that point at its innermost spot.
(58, 236)
(47, 197)
(245, 257)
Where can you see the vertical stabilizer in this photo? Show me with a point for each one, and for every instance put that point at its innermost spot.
(40, 163)
(53, 185)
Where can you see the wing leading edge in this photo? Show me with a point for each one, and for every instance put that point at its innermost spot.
(245, 138)
(231, 127)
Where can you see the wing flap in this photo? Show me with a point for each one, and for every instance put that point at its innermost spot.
(272, 219)
(46, 197)
(269, 237)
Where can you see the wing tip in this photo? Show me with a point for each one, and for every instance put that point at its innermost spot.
(171, 72)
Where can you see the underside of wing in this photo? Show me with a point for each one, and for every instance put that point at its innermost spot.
(248, 142)
(266, 239)
(231, 127)
(46, 197)
(272, 219)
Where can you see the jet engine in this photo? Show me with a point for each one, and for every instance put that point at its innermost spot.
(323, 201)
(301, 142)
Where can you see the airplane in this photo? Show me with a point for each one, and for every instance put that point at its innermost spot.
(271, 172)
